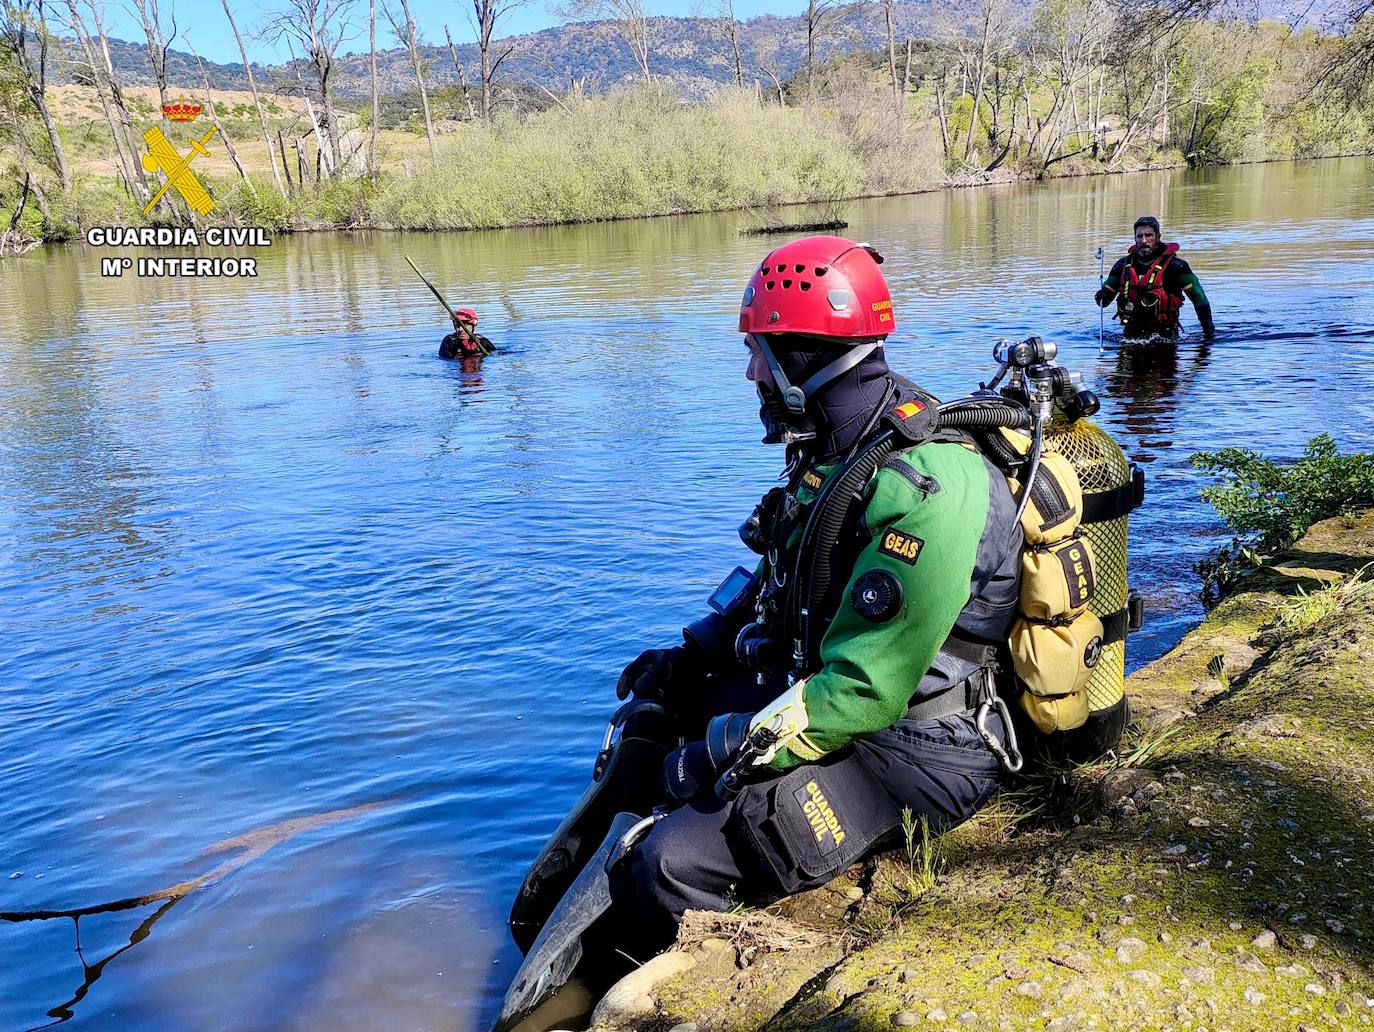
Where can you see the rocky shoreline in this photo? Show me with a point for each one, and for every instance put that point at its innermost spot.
(1216, 877)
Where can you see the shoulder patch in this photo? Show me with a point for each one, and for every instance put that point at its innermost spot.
(812, 479)
(906, 547)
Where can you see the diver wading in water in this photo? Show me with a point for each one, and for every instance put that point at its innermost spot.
(1149, 283)
(917, 554)
(465, 341)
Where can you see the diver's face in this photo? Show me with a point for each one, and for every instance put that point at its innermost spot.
(1146, 239)
(757, 371)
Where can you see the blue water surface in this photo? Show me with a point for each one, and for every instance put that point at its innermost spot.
(318, 631)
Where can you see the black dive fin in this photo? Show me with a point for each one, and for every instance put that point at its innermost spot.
(558, 949)
(627, 776)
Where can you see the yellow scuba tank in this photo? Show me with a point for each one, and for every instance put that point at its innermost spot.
(1112, 487)
(1067, 644)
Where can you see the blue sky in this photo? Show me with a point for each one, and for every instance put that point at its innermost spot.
(203, 22)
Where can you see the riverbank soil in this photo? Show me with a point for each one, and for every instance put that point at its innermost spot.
(1217, 878)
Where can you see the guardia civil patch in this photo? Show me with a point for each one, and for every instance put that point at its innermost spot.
(820, 815)
(906, 547)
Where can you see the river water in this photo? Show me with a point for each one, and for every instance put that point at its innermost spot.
(309, 636)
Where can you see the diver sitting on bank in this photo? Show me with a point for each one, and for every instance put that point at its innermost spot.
(1149, 283)
(859, 670)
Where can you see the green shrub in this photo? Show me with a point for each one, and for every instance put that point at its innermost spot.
(1268, 506)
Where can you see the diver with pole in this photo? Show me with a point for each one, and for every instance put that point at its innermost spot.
(464, 341)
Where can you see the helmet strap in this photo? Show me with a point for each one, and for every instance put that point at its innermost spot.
(796, 397)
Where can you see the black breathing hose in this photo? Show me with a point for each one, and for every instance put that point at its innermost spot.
(812, 580)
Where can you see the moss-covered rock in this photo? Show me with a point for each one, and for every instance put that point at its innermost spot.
(1221, 881)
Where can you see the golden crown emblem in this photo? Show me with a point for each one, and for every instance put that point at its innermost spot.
(181, 111)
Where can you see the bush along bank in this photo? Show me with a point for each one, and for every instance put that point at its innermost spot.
(1217, 876)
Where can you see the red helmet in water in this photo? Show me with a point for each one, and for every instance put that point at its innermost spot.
(820, 286)
(466, 315)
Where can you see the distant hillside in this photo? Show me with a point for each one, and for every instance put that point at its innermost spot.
(688, 51)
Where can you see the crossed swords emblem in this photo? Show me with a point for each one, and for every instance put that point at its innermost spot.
(163, 157)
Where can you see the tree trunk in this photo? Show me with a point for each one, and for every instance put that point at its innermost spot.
(286, 166)
(372, 78)
(214, 117)
(891, 49)
(462, 76)
(941, 111)
(64, 171)
(117, 97)
(157, 46)
(98, 79)
(413, 45)
(486, 23)
(314, 121)
(262, 117)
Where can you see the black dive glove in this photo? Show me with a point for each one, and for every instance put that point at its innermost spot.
(691, 770)
(1209, 328)
(658, 673)
(1104, 297)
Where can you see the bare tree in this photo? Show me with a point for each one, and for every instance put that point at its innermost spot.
(121, 107)
(768, 56)
(318, 27)
(125, 150)
(890, 21)
(257, 103)
(486, 15)
(819, 15)
(462, 75)
(992, 36)
(627, 20)
(24, 31)
(214, 117)
(372, 81)
(405, 31)
(159, 42)
(722, 16)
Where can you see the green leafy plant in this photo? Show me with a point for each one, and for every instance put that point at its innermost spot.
(1268, 506)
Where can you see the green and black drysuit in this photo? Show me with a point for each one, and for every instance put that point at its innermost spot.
(924, 576)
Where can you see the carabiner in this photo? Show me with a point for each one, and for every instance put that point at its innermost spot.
(1010, 757)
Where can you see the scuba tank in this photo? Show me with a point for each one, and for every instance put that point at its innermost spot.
(1074, 596)
(1112, 488)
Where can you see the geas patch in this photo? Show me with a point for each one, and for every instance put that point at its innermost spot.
(876, 596)
(825, 825)
(906, 547)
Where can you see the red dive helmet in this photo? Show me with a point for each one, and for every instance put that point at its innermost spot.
(821, 293)
(466, 315)
(820, 286)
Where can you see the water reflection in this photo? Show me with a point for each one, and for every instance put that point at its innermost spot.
(246, 848)
(1145, 379)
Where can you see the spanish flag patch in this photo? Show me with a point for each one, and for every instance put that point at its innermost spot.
(909, 409)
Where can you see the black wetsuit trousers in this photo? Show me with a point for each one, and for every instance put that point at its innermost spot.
(798, 830)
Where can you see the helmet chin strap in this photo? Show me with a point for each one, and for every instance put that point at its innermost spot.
(796, 397)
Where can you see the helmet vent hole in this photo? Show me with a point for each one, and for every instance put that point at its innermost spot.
(805, 285)
(821, 270)
(787, 284)
(782, 268)
(768, 285)
(799, 268)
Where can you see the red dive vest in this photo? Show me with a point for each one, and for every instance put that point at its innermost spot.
(1148, 291)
